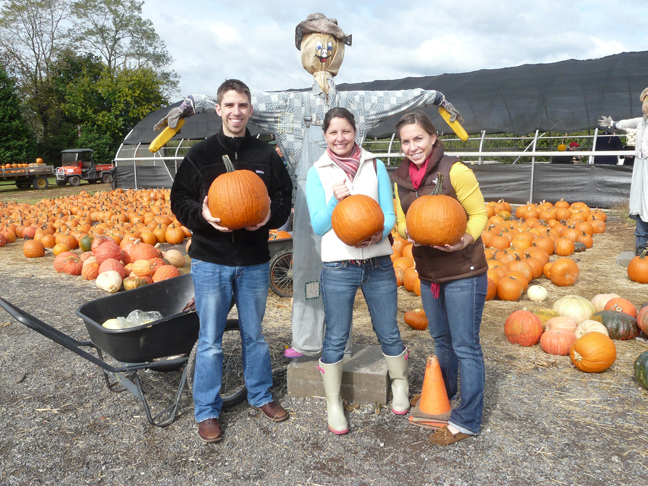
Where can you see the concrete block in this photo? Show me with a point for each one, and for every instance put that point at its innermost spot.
(624, 258)
(365, 377)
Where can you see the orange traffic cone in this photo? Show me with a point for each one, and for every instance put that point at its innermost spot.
(433, 409)
(434, 399)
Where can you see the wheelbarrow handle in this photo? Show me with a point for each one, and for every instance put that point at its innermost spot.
(62, 338)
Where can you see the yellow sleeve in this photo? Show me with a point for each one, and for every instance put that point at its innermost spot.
(467, 188)
(400, 215)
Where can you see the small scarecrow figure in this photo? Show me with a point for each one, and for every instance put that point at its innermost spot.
(295, 119)
(639, 184)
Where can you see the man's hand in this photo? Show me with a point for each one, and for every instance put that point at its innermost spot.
(262, 223)
(606, 122)
(340, 190)
(210, 219)
(376, 238)
(185, 110)
(454, 113)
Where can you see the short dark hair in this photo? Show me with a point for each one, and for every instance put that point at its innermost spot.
(338, 113)
(416, 117)
(233, 85)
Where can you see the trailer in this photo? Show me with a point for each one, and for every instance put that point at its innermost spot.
(35, 175)
(78, 165)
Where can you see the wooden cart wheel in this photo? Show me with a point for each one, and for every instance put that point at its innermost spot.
(233, 389)
(281, 273)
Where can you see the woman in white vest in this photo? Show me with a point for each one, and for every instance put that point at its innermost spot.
(346, 169)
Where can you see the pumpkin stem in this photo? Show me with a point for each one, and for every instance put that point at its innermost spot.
(228, 163)
(438, 190)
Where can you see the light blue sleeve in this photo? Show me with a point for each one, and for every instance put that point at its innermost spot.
(386, 198)
(320, 210)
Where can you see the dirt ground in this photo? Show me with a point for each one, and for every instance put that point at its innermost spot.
(544, 421)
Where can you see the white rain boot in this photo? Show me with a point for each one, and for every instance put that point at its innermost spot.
(397, 366)
(332, 378)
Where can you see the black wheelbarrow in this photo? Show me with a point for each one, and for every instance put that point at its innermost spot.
(162, 345)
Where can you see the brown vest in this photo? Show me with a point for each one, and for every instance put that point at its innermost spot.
(435, 265)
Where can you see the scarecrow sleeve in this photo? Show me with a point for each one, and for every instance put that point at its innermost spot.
(466, 186)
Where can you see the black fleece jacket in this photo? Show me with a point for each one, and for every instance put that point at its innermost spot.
(202, 164)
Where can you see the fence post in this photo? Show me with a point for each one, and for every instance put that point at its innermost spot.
(391, 141)
(533, 150)
(591, 157)
(481, 146)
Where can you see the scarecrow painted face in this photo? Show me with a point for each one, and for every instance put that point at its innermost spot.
(643, 97)
(321, 52)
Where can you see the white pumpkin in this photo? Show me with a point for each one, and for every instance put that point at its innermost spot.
(599, 301)
(537, 293)
(109, 281)
(175, 258)
(590, 326)
(574, 306)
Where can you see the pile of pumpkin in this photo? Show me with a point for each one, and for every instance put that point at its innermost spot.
(580, 328)
(520, 250)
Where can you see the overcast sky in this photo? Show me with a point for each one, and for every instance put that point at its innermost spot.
(211, 40)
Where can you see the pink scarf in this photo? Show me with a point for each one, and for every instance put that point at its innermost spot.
(417, 174)
(348, 164)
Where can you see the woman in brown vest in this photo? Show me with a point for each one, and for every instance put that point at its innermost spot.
(453, 278)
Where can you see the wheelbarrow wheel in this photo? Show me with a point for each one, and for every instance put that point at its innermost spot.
(281, 273)
(233, 389)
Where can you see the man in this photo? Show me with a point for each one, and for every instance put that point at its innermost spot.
(567, 159)
(230, 262)
(295, 118)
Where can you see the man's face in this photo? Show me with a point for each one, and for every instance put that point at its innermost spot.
(235, 109)
(321, 52)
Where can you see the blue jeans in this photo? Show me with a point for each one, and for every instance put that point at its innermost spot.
(214, 286)
(339, 283)
(454, 319)
(641, 233)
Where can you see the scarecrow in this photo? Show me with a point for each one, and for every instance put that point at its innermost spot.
(639, 184)
(295, 119)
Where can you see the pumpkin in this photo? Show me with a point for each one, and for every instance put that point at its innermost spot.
(131, 283)
(90, 270)
(109, 281)
(399, 276)
(491, 290)
(357, 218)
(112, 264)
(590, 326)
(175, 258)
(564, 247)
(59, 248)
(174, 234)
(619, 304)
(436, 219)
(33, 249)
(638, 269)
(557, 341)
(523, 327)
(619, 324)
(599, 301)
(510, 288)
(143, 268)
(416, 319)
(85, 243)
(561, 322)
(142, 251)
(641, 369)
(545, 314)
(564, 272)
(403, 263)
(239, 198)
(642, 319)
(70, 264)
(165, 272)
(574, 306)
(537, 293)
(106, 250)
(409, 279)
(594, 352)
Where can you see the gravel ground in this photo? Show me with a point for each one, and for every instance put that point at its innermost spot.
(544, 421)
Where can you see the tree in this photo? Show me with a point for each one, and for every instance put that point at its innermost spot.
(116, 30)
(17, 143)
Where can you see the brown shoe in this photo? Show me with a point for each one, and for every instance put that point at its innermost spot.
(443, 436)
(210, 430)
(273, 411)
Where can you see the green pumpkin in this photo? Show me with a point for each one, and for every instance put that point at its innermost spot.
(619, 324)
(641, 369)
(85, 243)
(578, 247)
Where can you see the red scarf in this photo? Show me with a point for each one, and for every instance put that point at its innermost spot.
(348, 164)
(417, 174)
